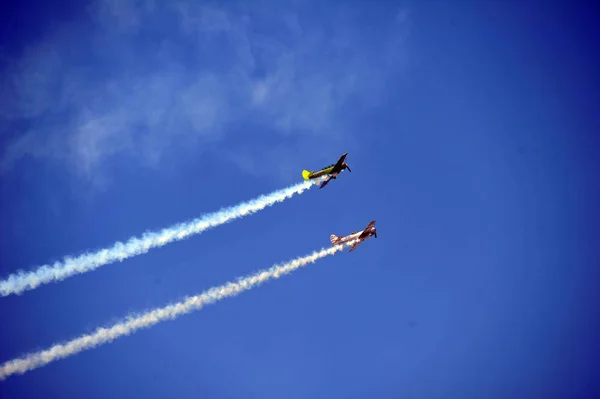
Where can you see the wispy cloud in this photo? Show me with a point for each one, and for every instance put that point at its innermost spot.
(147, 77)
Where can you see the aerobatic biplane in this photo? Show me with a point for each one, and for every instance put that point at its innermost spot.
(362, 235)
(331, 171)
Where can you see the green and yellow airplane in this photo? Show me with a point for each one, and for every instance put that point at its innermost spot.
(332, 171)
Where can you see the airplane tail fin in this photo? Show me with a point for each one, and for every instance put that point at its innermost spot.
(334, 239)
(305, 174)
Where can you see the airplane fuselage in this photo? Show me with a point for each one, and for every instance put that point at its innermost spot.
(320, 173)
(351, 237)
(327, 171)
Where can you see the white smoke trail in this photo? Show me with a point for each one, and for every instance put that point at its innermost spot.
(21, 281)
(148, 319)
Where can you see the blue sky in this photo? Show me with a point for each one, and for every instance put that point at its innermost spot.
(472, 136)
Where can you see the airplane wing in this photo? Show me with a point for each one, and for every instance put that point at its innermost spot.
(324, 183)
(353, 247)
(338, 165)
(367, 229)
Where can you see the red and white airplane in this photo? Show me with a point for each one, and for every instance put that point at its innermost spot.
(362, 235)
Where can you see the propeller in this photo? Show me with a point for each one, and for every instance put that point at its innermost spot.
(348, 167)
(375, 234)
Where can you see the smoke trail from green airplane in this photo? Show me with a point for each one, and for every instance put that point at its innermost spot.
(133, 323)
(70, 266)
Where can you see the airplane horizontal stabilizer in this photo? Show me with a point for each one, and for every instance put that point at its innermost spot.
(333, 238)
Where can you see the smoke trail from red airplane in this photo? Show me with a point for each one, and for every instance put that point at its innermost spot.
(133, 323)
